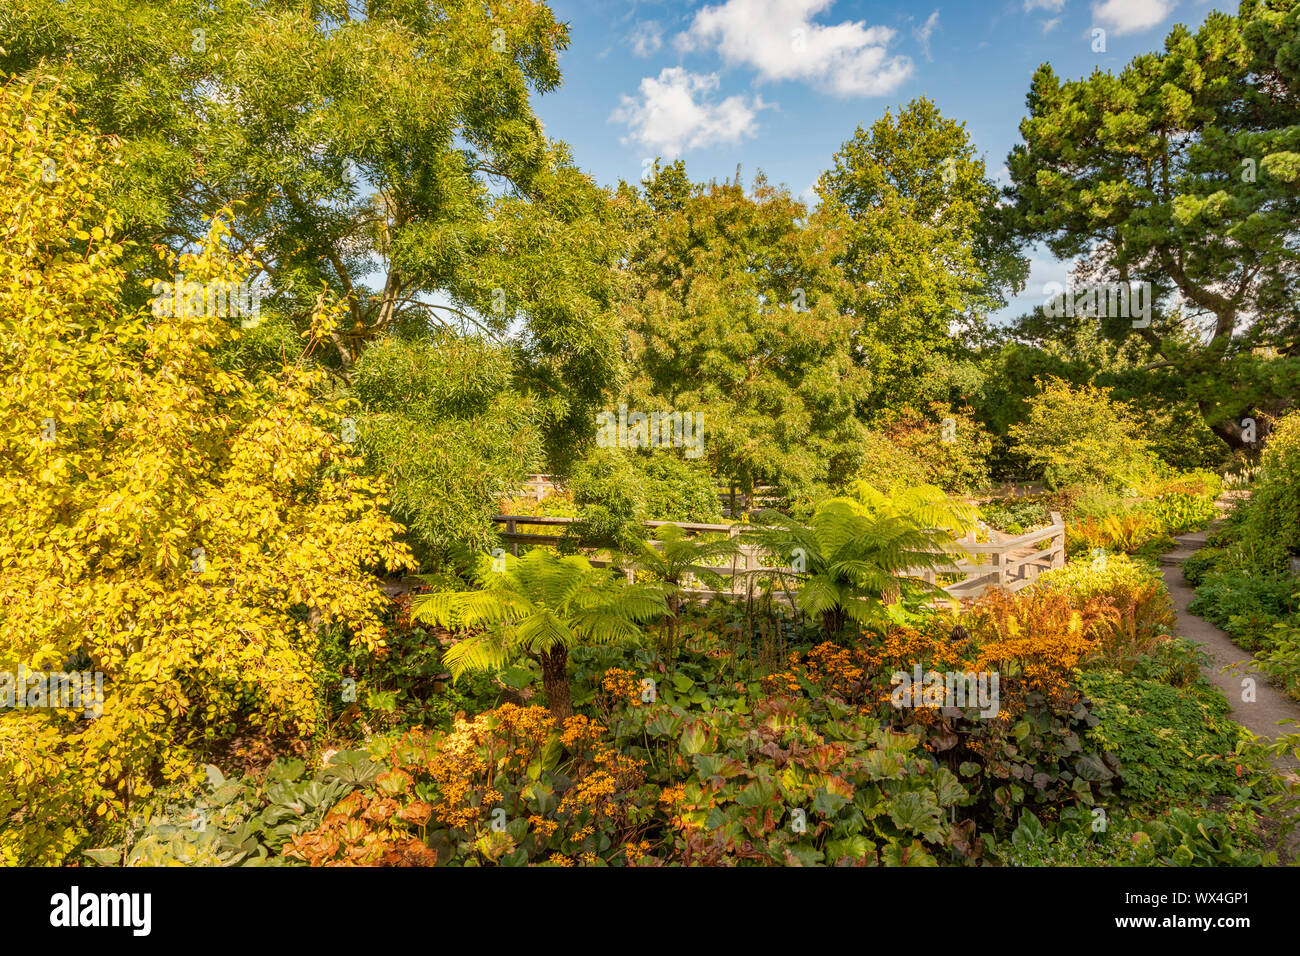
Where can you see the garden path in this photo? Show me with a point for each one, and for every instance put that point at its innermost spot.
(1261, 716)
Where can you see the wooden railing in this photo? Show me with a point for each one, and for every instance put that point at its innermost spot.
(1009, 562)
(538, 487)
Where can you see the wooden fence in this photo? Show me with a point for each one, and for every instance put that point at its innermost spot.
(538, 487)
(1009, 562)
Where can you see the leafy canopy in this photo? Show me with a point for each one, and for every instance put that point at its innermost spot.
(1181, 172)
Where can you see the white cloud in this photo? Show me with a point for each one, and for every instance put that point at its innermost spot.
(1132, 16)
(780, 41)
(809, 196)
(672, 114)
(1051, 6)
(923, 33)
(646, 38)
(1050, 25)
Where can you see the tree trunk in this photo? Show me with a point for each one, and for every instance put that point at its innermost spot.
(555, 682)
(1231, 434)
(833, 621)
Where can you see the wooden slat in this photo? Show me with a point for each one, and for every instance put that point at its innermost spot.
(984, 565)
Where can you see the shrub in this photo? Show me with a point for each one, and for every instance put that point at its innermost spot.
(946, 448)
(611, 506)
(615, 492)
(1203, 562)
(1272, 518)
(1280, 657)
(888, 466)
(510, 787)
(1175, 839)
(178, 530)
(238, 822)
(1130, 533)
(1041, 634)
(1137, 592)
(1180, 512)
(1081, 435)
(1015, 516)
(1245, 605)
(676, 489)
(1096, 502)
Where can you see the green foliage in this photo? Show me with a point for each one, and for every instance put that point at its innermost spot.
(887, 465)
(925, 249)
(1280, 655)
(407, 686)
(538, 606)
(1271, 524)
(851, 555)
(1200, 564)
(671, 557)
(1173, 744)
(1180, 512)
(1081, 435)
(1245, 605)
(611, 502)
(242, 822)
(430, 202)
(615, 492)
(1015, 515)
(439, 417)
(947, 448)
(676, 489)
(797, 783)
(1180, 171)
(1181, 839)
(736, 316)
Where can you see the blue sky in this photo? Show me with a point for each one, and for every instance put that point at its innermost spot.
(778, 85)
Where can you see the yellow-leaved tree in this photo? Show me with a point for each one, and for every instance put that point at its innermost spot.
(167, 524)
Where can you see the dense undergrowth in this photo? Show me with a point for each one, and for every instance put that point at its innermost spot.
(1245, 578)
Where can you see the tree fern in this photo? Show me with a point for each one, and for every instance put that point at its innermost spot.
(853, 555)
(538, 606)
(669, 559)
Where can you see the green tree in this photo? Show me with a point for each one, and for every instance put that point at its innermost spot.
(1081, 435)
(440, 417)
(1181, 172)
(540, 606)
(387, 152)
(735, 316)
(925, 250)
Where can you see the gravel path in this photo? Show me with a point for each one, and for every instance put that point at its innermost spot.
(1270, 706)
